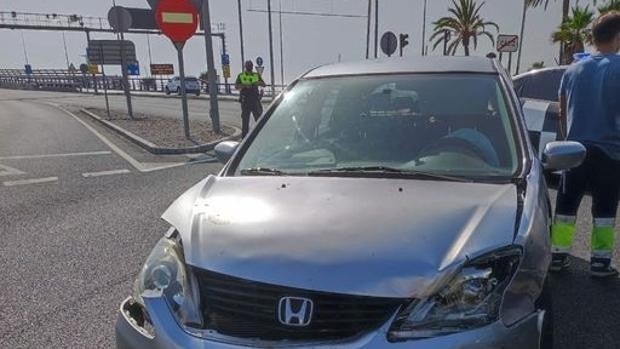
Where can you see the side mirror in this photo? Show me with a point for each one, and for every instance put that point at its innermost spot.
(564, 155)
(225, 150)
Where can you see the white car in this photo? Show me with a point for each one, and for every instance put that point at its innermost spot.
(192, 85)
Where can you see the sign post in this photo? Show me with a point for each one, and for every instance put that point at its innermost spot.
(510, 44)
(120, 21)
(178, 20)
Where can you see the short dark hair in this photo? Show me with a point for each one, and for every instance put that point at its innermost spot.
(606, 27)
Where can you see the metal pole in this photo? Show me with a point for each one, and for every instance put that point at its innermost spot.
(368, 17)
(94, 76)
(226, 85)
(524, 14)
(148, 43)
(510, 63)
(376, 28)
(213, 88)
(271, 67)
(64, 43)
(24, 46)
(183, 92)
(125, 76)
(241, 33)
(281, 49)
(105, 82)
(424, 28)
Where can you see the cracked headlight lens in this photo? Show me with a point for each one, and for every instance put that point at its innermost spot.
(164, 271)
(472, 299)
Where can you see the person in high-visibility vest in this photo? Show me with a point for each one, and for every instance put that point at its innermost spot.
(590, 114)
(248, 83)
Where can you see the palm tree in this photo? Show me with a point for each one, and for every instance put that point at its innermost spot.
(575, 31)
(614, 5)
(465, 25)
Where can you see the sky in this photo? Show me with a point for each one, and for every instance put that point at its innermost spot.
(308, 41)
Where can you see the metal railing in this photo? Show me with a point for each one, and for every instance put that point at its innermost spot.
(75, 81)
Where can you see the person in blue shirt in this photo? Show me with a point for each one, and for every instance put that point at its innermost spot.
(590, 113)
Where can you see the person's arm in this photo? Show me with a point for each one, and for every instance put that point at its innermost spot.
(238, 85)
(563, 121)
(261, 83)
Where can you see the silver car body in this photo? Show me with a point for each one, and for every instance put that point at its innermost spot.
(376, 237)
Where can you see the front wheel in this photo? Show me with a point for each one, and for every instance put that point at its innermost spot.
(167, 91)
(545, 302)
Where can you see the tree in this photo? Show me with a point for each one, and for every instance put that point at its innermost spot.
(537, 65)
(465, 25)
(575, 31)
(613, 5)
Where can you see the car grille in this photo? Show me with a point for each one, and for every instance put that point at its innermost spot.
(248, 309)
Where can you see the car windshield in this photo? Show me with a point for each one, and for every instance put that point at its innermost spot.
(441, 124)
(191, 80)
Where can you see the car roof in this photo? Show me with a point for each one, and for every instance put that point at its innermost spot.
(426, 64)
(536, 71)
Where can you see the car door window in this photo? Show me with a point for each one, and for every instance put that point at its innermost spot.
(543, 85)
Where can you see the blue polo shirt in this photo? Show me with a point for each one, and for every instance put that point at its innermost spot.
(592, 88)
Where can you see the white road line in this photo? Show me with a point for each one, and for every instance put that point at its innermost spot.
(43, 156)
(112, 146)
(10, 171)
(30, 181)
(136, 164)
(105, 173)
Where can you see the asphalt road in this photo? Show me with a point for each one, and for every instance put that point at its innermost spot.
(73, 243)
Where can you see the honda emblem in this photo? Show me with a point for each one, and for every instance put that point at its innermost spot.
(295, 311)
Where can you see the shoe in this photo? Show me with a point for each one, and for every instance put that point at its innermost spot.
(601, 268)
(559, 261)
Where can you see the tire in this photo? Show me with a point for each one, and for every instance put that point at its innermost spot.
(545, 302)
(178, 90)
(197, 93)
(167, 92)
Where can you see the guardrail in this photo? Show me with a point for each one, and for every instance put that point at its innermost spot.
(73, 81)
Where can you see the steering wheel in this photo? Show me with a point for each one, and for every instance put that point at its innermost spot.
(465, 141)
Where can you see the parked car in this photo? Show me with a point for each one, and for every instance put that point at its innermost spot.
(378, 204)
(538, 91)
(191, 85)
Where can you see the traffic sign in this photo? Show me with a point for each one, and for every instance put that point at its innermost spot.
(177, 19)
(93, 69)
(507, 43)
(260, 70)
(133, 69)
(119, 19)
(389, 43)
(226, 71)
(28, 69)
(162, 69)
(225, 59)
(109, 52)
(84, 68)
(259, 61)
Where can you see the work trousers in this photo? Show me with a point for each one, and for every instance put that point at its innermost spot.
(249, 107)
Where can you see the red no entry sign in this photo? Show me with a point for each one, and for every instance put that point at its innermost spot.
(177, 19)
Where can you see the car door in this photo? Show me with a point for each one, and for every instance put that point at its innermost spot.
(538, 92)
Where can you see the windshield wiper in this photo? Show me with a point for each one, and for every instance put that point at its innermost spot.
(392, 170)
(363, 169)
(261, 171)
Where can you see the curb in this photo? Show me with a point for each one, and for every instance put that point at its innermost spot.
(155, 149)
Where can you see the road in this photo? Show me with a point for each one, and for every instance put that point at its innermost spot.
(78, 218)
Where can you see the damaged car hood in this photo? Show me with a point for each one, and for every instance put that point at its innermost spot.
(365, 236)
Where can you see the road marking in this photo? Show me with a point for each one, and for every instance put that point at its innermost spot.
(136, 164)
(30, 181)
(105, 173)
(9, 171)
(43, 156)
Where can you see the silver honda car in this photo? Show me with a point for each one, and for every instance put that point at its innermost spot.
(380, 204)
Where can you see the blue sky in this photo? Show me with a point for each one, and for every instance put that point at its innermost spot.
(307, 41)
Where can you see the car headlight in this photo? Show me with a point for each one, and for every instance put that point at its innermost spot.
(470, 300)
(165, 271)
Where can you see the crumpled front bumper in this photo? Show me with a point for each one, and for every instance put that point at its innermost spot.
(168, 334)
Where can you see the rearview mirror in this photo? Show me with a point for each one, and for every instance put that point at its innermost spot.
(563, 155)
(225, 150)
